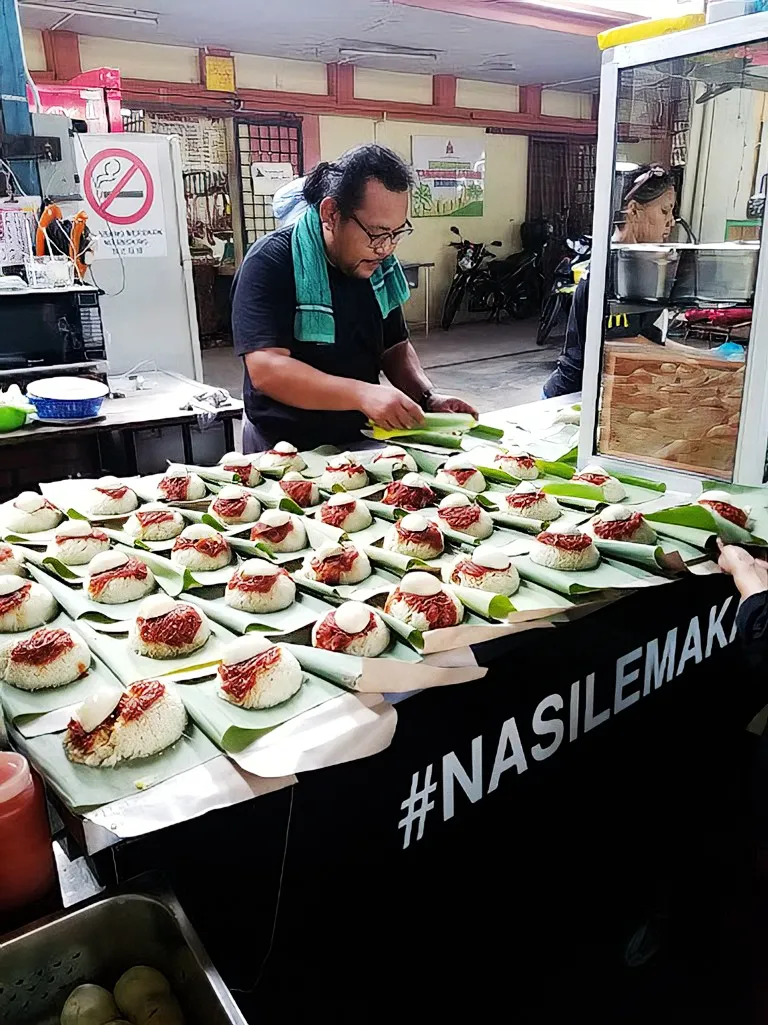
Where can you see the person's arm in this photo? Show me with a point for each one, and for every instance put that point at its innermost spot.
(275, 373)
(403, 368)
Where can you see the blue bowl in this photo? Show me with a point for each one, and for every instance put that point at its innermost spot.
(66, 409)
(66, 398)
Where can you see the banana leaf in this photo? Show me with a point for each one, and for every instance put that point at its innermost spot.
(567, 517)
(664, 556)
(384, 512)
(76, 603)
(233, 728)
(317, 458)
(30, 711)
(521, 523)
(583, 496)
(433, 439)
(375, 675)
(550, 469)
(756, 498)
(484, 603)
(528, 602)
(173, 579)
(486, 432)
(114, 649)
(427, 462)
(214, 474)
(608, 575)
(496, 476)
(482, 499)
(40, 538)
(707, 524)
(133, 542)
(453, 423)
(305, 611)
(82, 787)
(641, 482)
(393, 561)
(379, 582)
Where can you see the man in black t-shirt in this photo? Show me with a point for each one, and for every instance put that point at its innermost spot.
(308, 393)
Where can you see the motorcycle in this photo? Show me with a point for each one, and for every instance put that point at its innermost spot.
(567, 275)
(511, 285)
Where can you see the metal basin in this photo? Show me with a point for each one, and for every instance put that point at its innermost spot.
(721, 273)
(642, 272)
(97, 942)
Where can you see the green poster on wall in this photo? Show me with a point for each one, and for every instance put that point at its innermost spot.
(451, 176)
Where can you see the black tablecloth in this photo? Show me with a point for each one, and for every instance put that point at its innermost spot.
(587, 802)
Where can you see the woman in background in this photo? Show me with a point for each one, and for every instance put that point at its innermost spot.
(647, 215)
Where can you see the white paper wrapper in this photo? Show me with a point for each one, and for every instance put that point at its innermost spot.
(341, 730)
(217, 784)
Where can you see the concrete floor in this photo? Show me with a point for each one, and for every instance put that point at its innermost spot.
(489, 365)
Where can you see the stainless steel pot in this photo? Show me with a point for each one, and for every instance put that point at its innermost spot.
(642, 272)
(97, 942)
(717, 272)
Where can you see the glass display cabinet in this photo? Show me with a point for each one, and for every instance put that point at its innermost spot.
(676, 360)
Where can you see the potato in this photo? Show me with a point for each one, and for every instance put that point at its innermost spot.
(163, 1011)
(137, 987)
(89, 1005)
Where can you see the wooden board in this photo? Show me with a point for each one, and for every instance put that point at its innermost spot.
(669, 408)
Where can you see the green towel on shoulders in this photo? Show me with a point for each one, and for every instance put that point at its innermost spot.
(314, 320)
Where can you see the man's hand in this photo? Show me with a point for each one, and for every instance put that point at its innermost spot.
(750, 575)
(734, 560)
(388, 407)
(448, 404)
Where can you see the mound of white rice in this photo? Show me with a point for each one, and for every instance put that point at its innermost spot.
(153, 612)
(24, 611)
(349, 631)
(263, 686)
(76, 542)
(119, 589)
(154, 521)
(11, 560)
(283, 455)
(419, 547)
(558, 558)
(279, 589)
(196, 557)
(29, 513)
(154, 730)
(99, 502)
(24, 664)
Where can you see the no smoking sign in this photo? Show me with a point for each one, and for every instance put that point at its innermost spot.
(124, 190)
(119, 186)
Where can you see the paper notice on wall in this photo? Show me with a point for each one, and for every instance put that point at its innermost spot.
(123, 198)
(268, 177)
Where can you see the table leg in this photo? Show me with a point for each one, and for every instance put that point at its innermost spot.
(131, 457)
(186, 439)
(229, 434)
(427, 275)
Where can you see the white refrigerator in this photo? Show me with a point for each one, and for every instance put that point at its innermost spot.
(134, 198)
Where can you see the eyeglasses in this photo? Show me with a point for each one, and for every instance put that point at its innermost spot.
(385, 239)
